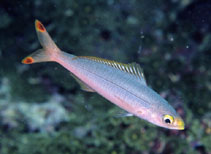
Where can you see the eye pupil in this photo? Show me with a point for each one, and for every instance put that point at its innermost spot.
(167, 121)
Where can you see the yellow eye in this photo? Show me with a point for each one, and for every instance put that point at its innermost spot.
(168, 119)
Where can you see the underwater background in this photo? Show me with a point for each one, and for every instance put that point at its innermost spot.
(42, 108)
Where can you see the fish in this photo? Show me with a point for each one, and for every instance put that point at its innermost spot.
(122, 84)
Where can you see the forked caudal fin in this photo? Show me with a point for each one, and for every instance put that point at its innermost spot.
(49, 50)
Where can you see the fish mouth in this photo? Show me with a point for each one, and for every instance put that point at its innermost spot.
(179, 124)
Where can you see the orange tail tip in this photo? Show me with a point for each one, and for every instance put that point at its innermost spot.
(28, 60)
(49, 52)
(39, 26)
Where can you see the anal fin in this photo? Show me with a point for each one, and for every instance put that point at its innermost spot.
(83, 85)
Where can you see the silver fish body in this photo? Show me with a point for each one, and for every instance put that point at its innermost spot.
(121, 88)
(122, 84)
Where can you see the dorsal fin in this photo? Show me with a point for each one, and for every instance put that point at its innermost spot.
(131, 68)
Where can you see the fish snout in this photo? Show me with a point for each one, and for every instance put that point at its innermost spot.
(179, 123)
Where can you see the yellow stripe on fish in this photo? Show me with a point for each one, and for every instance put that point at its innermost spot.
(132, 68)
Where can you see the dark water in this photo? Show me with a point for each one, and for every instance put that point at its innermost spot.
(43, 110)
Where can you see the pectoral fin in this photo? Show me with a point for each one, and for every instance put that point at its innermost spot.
(126, 114)
(83, 85)
(119, 113)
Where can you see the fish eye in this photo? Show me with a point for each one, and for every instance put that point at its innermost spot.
(168, 119)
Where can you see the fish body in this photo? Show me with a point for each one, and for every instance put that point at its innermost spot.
(122, 84)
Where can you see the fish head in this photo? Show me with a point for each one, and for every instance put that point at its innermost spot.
(163, 115)
(170, 121)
